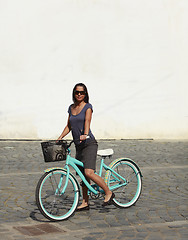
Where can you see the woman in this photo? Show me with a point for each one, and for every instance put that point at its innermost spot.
(80, 114)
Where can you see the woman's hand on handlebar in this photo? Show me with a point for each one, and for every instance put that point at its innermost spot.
(59, 139)
(84, 137)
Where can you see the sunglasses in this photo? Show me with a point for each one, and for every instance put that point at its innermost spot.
(81, 92)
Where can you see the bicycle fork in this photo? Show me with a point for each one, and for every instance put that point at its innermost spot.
(60, 183)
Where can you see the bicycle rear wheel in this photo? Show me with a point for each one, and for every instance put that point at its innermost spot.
(51, 202)
(127, 190)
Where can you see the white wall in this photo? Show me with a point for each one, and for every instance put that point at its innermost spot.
(132, 55)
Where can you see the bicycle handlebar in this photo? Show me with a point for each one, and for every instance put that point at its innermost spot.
(68, 146)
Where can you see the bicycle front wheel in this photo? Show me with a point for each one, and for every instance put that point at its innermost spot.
(127, 188)
(52, 203)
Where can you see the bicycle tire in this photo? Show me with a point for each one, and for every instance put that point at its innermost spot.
(52, 204)
(127, 195)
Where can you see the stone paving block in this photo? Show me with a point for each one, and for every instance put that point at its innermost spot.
(5, 237)
(96, 234)
(127, 233)
(123, 222)
(155, 237)
(19, 237)
(98, 216)
(141, 235)
(84, 225)
(73, 227)
(89, 238)
(102, 225)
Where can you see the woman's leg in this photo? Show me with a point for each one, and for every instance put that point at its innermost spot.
(99, 181)
(85, 201)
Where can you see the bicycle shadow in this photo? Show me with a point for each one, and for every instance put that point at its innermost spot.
(35, 214)
(95, 206)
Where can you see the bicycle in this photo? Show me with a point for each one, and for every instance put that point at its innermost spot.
(58, 190)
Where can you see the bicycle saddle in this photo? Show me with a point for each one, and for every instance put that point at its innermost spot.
(105, 153)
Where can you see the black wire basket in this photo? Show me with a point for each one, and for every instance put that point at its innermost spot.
(54, 151)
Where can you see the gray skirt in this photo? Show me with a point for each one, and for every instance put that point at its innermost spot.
(86, 152)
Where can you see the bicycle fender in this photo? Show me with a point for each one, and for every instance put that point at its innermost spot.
(60, 168)
(129, 160)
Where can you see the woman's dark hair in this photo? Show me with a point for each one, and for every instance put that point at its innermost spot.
(86, 99)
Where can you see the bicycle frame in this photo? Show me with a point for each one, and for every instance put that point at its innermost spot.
(70, 161)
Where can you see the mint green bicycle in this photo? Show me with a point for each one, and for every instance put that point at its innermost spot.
(58, 190)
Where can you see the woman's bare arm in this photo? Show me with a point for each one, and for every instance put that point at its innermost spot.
(66, 130)
(88, 117)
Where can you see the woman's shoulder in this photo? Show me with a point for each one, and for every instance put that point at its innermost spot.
(89, 105)
(70, 107)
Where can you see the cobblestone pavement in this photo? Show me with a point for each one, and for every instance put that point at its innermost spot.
(160, 213)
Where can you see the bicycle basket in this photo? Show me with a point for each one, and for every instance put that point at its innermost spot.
(54, 151)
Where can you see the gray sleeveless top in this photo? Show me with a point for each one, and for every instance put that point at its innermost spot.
(77, 123)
